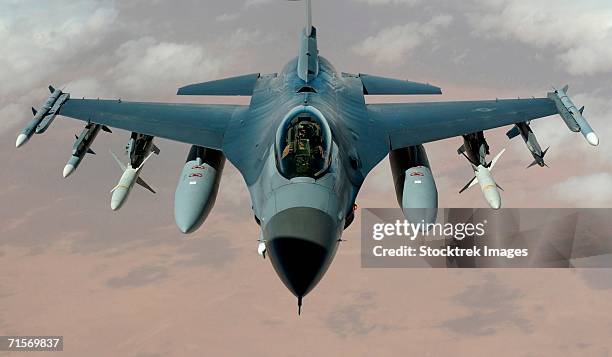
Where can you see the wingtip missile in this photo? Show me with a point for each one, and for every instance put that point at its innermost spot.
(68, 170)
(592, 138)
(572, 116)
(21, 139)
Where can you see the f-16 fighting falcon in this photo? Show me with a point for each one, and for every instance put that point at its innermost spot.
(304, 146)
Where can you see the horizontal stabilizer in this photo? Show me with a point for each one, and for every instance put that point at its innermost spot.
(34, 111)
(374, 85)
(241, 85)
(512, 133)
(106, 129)
(90, 151)
(155, 149)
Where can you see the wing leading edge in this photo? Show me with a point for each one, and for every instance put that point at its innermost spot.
(410, 124)
(196, 124)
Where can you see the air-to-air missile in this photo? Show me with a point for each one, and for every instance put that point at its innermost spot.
(572, 116)
(82, 146)
(415, 187)
(475, 149)
(197, 187)
(139, 148)
(44, 116)
(524, 130)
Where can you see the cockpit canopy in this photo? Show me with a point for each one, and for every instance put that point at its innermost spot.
(303, 145)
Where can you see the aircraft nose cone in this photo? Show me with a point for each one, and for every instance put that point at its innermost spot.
(301, 243)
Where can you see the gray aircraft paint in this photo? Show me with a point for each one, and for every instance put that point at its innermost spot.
(302, 218)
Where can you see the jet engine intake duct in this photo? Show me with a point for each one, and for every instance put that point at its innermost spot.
(415, 187)
(197, 188)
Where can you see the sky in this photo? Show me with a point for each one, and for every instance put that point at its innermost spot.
(128, 283)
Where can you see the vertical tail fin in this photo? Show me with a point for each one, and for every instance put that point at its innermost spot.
(308, 60)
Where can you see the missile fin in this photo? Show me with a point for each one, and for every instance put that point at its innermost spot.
(582, 110)
(461, 149)
(145, 160)
(142, 183)
(535, 162)
(512, 133)
(34, 111)
(471, 183)
(496, 158)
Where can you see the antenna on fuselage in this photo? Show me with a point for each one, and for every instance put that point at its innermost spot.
(308, 28)
(308, 17)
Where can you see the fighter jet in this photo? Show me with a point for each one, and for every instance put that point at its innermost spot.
(305, 144)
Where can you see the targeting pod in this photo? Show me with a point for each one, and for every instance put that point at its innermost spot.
(82, 146)
(44, 116)
(572, 116)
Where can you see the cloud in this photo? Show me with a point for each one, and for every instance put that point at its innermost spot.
(33, 47)
(227, 17)
(594, 190)
(576, 30)
(394, 44)
(166, 65)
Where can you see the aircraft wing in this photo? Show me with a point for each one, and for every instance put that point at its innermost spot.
(196, 124)
(408, 124)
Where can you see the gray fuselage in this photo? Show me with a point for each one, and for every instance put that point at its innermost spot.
(302, 217)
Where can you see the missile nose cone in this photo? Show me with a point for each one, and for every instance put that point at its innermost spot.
(21, 139)
(115, 205)
(301, 243)
(592, 138)
(495, 204)
(68, 169)
(118, 198)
